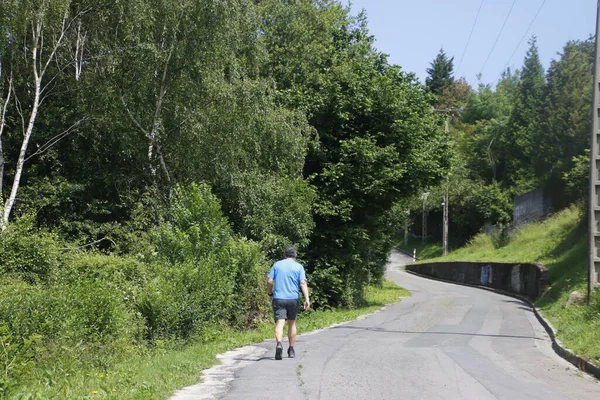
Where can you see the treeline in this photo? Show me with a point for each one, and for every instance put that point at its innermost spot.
(157, 155)
(531, 130)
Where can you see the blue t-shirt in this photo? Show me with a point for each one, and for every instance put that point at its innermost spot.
(287, 275)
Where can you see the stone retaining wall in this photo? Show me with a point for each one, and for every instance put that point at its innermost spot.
(528, 279)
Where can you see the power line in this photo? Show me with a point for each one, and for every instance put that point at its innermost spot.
(470, 35)
(498, 37)
(525, 34)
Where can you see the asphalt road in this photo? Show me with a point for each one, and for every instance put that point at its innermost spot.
(444, 342)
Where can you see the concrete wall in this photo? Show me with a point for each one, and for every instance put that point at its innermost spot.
(530, 206)
(526, 278)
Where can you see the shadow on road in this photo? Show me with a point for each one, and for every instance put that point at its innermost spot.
(437, 333)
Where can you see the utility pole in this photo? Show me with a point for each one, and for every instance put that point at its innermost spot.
(424, 230)
(594, 212)
(445, 206)
(445, 229)
(406, 215)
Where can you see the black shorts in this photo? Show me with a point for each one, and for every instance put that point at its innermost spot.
(285, 309)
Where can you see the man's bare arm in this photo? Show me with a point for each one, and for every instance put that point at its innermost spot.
(270, 286)
(304, 288)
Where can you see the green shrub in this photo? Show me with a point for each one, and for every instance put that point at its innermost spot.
(159, 305)
(83, 311)
(197, 226)
(273, 210)
(248, 304)
(27, 252)
(17, 356)
(208, 276)
(125, 274)
(88, 307)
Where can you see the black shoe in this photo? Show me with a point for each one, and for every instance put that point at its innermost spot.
(291, 352)
(278, 351)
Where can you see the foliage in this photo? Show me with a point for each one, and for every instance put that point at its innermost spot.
(563, 135)
(454, 97)
(517, 141)
(379, 140)
(206, 275)
(27, 252)
(577, 179)
(75, 314)
(274, 210)
(197, 276)
(531, 130)
(440, 74)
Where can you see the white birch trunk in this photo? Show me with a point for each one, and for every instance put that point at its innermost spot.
(39, 69)
(21, 161)
(79, 45)
(152, 134)
(2, 126)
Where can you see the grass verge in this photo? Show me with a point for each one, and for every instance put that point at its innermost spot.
(424, 250)
(158, 374)
(560, 243)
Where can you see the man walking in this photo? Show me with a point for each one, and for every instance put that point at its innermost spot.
(287, 277)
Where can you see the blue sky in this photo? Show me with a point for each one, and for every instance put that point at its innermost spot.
(411, 32)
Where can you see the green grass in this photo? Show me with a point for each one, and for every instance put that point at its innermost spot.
(424, 250)
(157, 374)
(560, 243)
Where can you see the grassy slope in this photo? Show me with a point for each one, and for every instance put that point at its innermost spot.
(157, 375)
(424, 250)
(560, 243)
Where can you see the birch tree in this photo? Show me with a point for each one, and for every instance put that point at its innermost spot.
(6, 78)
(155, 67)
(38, 34)
(175, 53)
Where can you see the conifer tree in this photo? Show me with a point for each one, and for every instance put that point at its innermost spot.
(441, 73)
(517, 141)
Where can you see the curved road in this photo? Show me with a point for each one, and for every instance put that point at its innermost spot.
(444, 342)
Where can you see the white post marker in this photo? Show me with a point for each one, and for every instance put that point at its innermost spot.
(414, 255)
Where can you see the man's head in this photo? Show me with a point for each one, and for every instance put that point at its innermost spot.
(291, 252)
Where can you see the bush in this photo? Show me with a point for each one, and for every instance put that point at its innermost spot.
(90, 307)
(273, 210)
(249, 273)
(197, 226)
(28, 253)
(207, 276)
(82, 316)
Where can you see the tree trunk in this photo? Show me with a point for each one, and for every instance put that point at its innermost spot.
(2, 126)
(21, 161)
(39, 69)
(1, 167)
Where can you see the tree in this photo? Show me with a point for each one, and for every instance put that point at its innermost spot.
(564, 126)
(440, 73)
(455, 97)
(36, 38)
(379, 139)
(516, 142)
(481, 105)
(146, 94)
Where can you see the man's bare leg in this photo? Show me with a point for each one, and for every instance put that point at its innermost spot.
(292, 331)
(279, 330)
(291, 337)
(279, 337)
